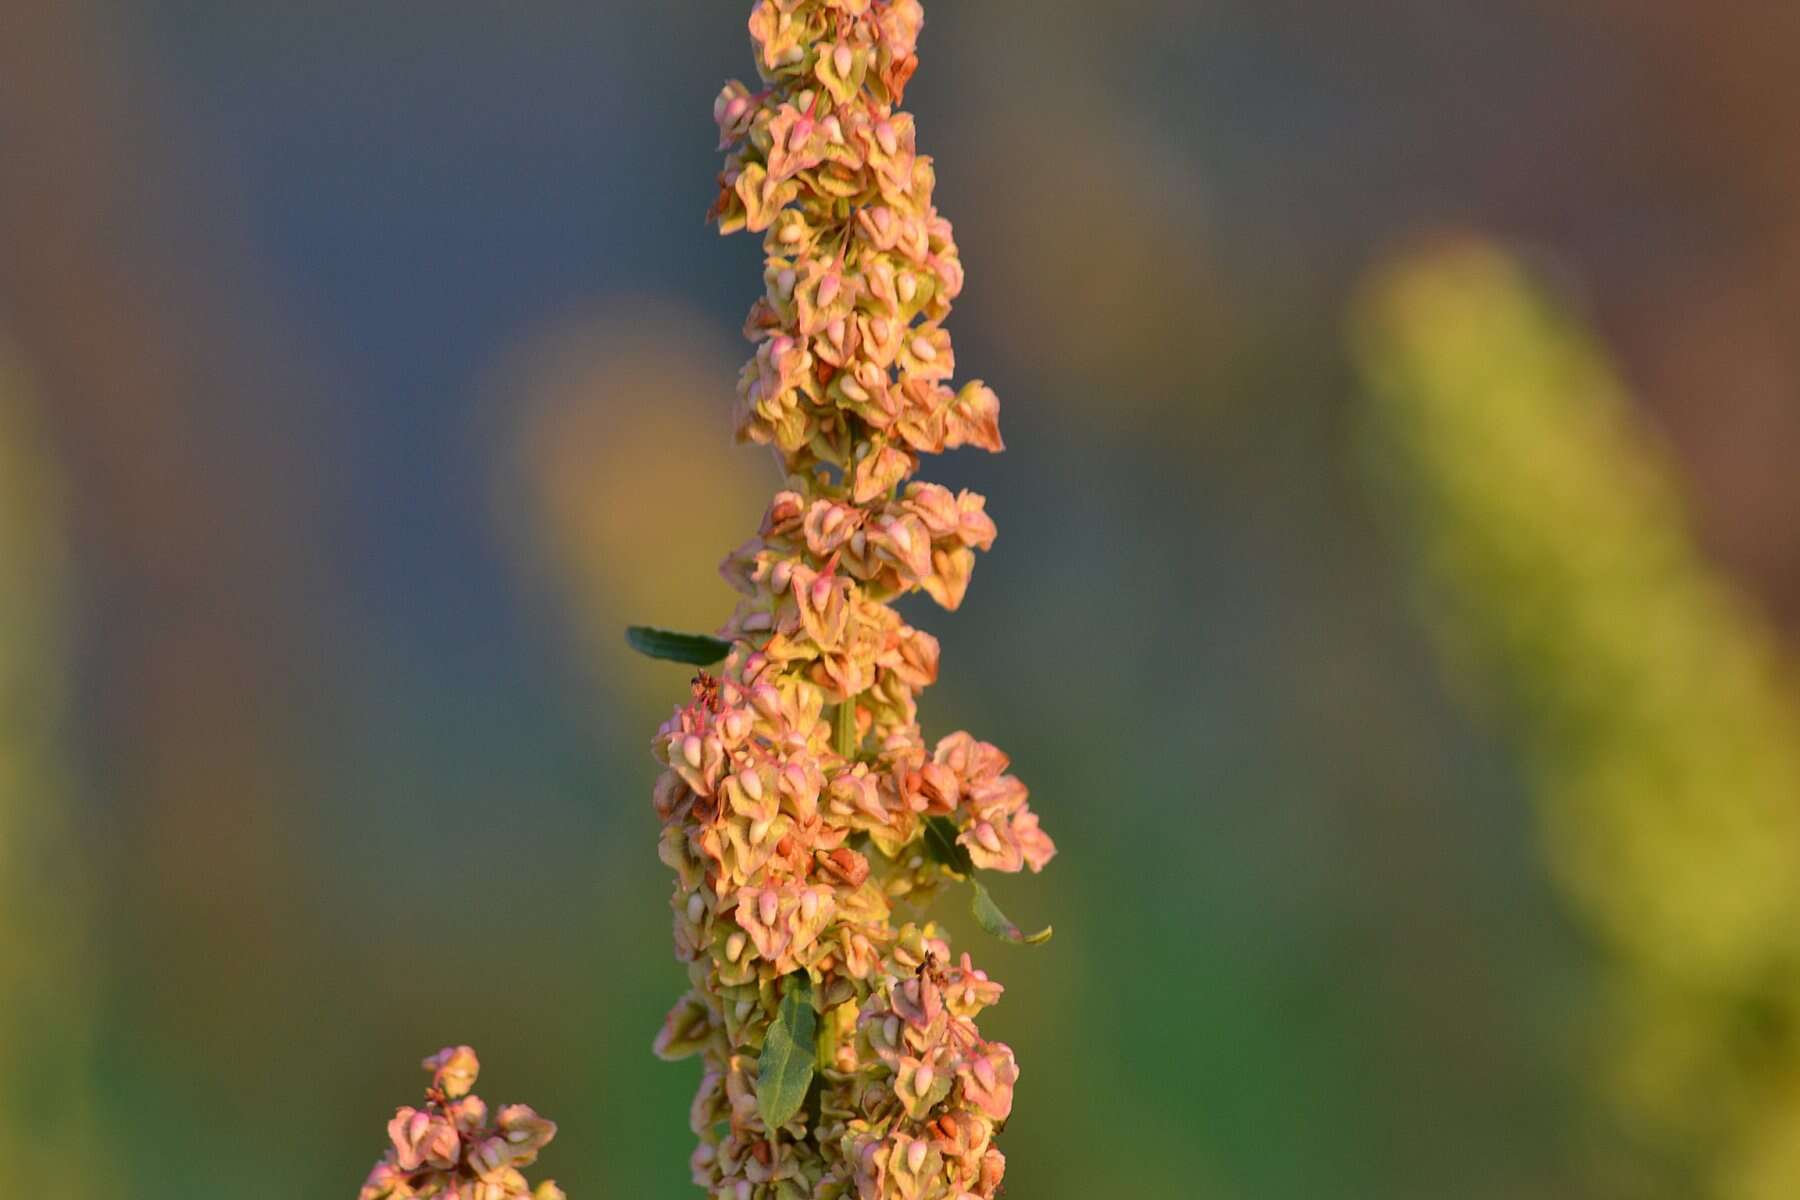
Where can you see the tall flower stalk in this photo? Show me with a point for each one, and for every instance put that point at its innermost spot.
(805, 815)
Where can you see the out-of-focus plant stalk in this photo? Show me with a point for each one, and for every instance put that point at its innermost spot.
(1562, 582)
(49, 1134)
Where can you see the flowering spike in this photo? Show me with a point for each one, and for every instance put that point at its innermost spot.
(800, 800)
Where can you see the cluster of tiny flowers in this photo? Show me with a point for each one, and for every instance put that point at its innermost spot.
(798, 785)
(453, 1150)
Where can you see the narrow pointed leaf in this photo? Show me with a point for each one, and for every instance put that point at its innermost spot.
(786, 1067)
(941, 844)
(990, 918)
(695, 649)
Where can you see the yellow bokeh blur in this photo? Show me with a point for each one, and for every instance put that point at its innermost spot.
(48, 1138)
(622, 484)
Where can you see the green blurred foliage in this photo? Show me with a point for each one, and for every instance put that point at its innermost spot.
(1566, 593)
(50, 1142)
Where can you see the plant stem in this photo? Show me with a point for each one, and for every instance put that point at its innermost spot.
(844, 729)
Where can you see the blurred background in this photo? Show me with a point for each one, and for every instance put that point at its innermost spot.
(1399, 558)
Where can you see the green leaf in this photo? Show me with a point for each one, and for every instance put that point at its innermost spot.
(695, 649)
(785, 1070)
(990, 918)
(941, 844)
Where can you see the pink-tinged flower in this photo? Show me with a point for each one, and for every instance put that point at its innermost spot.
(878, 470)
(918, 1001)
(386, 1182)
(899, 24)
(856, 800)
(923, 1083)
(823, 603)
(525, 1132)
(883, 336)
(508, 1184)
(953, 520)
(865, 1152)
(975, 762)
(927, 354)
(948, 582)
(841, 69)
(992, 846)
(783, 363)
(423, 1139)
(914, 1166)
(937, 788)
(796, 143)
(762, 195)
(686, 1029)
(912, 656)
(776, 32)
(846, 867)
(993, 1170)
(468, 1115)
(936, 507)
(962, 1139)
(838, 346)
(903, 541)
(733, 112)
(1002, 833)
(919, 423)
(1033, 842)
(829, 525)
(751, 793)
(490, 1159)
(987, 1079)
(825, 293)
(974, 419)
(783, 922)
(968, 990)
(455, 1069)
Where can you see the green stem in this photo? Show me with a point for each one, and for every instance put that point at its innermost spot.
(844, 729)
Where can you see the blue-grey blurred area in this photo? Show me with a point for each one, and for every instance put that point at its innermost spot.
(385, 363)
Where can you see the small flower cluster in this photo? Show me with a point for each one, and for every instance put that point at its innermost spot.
(452, 1150)
(797, 833)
